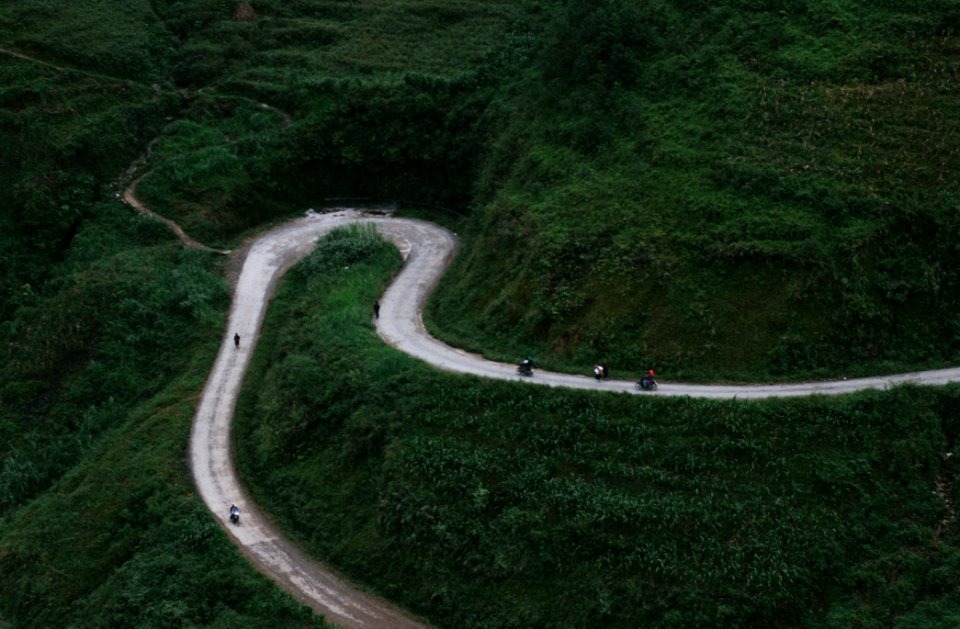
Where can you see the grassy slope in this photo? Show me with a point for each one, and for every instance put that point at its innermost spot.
(99, 525)
(483, 504)
(65, 136)
(756, 192)
(106, 328)
(115, 39)
(377, 94)
(102, 315)
(292, 46)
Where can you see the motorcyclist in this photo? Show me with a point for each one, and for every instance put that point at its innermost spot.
(648, 381)
(526, 366)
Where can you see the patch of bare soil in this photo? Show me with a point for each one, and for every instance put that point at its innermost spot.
(244, 12)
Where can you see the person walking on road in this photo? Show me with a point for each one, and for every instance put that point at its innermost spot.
(376, 310)
(236, 340)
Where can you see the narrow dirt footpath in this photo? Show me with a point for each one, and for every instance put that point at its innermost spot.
(130, 198)
(20, 55)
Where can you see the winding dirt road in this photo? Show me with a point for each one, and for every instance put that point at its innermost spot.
(401, 325)
(268, 258)
(427, 250)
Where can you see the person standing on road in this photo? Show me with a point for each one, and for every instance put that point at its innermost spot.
(376, 310)
(236, 340)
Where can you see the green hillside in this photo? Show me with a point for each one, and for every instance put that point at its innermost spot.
(108, 327)
(487, 504)
(726, 191)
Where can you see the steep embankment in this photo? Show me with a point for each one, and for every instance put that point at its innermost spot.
(727, 193)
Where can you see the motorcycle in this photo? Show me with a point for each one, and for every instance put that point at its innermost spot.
(647, 385)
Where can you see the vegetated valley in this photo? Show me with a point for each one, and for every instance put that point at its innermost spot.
(725, 191)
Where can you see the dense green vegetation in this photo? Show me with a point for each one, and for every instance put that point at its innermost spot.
(99, 525)
(107, 332)
(107, 327)
(65, 135)
(384, 100)
(739, 191)
(723, 190)
(487, 504)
